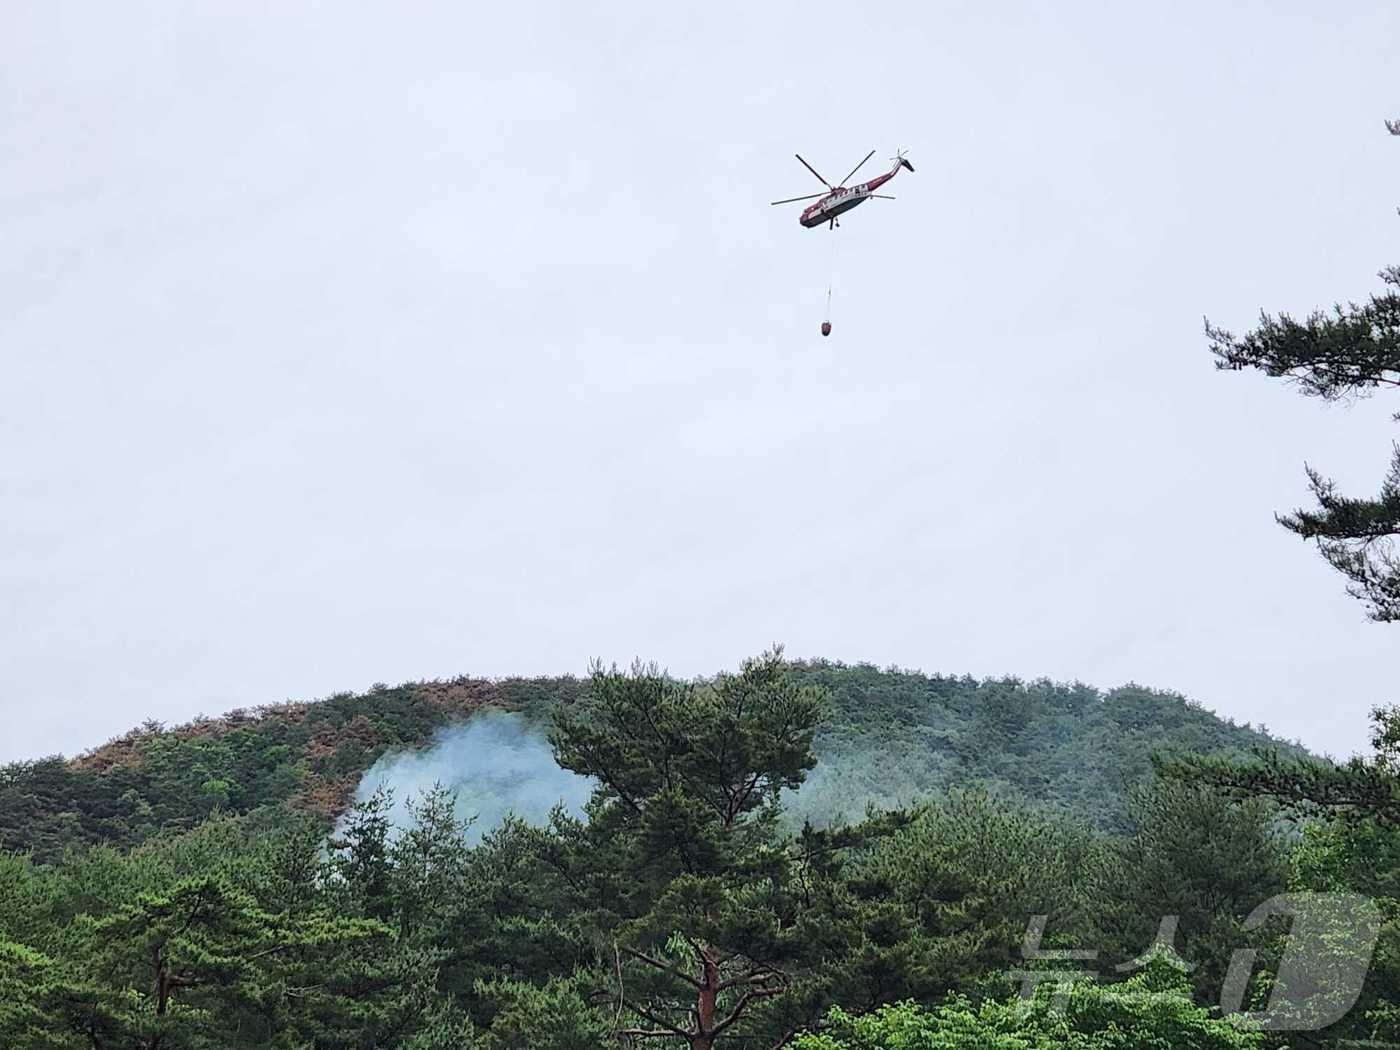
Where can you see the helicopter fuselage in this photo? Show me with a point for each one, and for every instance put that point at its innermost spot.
(843, 198)
(832, 205)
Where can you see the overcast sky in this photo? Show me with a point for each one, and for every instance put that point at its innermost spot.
(352, 343)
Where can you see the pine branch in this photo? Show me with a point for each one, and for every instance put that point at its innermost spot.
(1358, 788)
(1354, 536)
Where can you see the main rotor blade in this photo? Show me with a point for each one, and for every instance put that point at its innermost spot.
(810, 196)
(814, 172)
(883, 196)
(857, 167)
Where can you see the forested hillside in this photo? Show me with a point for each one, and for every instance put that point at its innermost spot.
(1068, 747)
(894, 736)
(680, 908)
(309, 754)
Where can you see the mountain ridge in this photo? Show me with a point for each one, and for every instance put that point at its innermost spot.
(892, 735)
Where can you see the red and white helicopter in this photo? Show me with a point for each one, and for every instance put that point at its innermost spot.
(842, 198)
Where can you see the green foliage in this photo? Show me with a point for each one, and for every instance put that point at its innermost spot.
(685, 906)
(180, 943)
(1351, 351)
(27, 983)
(1349, 842)
(1360, 856)
(710, 927)
(555, 1016)
(1202, 858)
(1067, 747)
(1355, 535)
(1147, 1012)
(728, 747)
(895, 737)
(1362, 788)
(970, 871)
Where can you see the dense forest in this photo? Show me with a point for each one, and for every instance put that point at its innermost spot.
(226, 897)
(1069, 747)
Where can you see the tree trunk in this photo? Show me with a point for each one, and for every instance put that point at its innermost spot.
(706, 1002)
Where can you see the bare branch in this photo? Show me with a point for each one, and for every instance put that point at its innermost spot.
(758, 977)
(671, 1029)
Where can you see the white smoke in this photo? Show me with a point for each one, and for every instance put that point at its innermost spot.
(497, 764)
(500, 763)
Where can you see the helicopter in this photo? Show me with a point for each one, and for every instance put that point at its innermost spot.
(842, 198)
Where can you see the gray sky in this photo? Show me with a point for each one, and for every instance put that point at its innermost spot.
(356, 343)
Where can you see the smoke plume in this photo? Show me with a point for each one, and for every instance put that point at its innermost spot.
(496, 764)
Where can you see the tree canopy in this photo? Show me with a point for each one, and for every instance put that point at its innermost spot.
(694, 903)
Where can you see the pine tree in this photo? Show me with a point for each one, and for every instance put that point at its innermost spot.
(1350, 352)
(699, 882)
